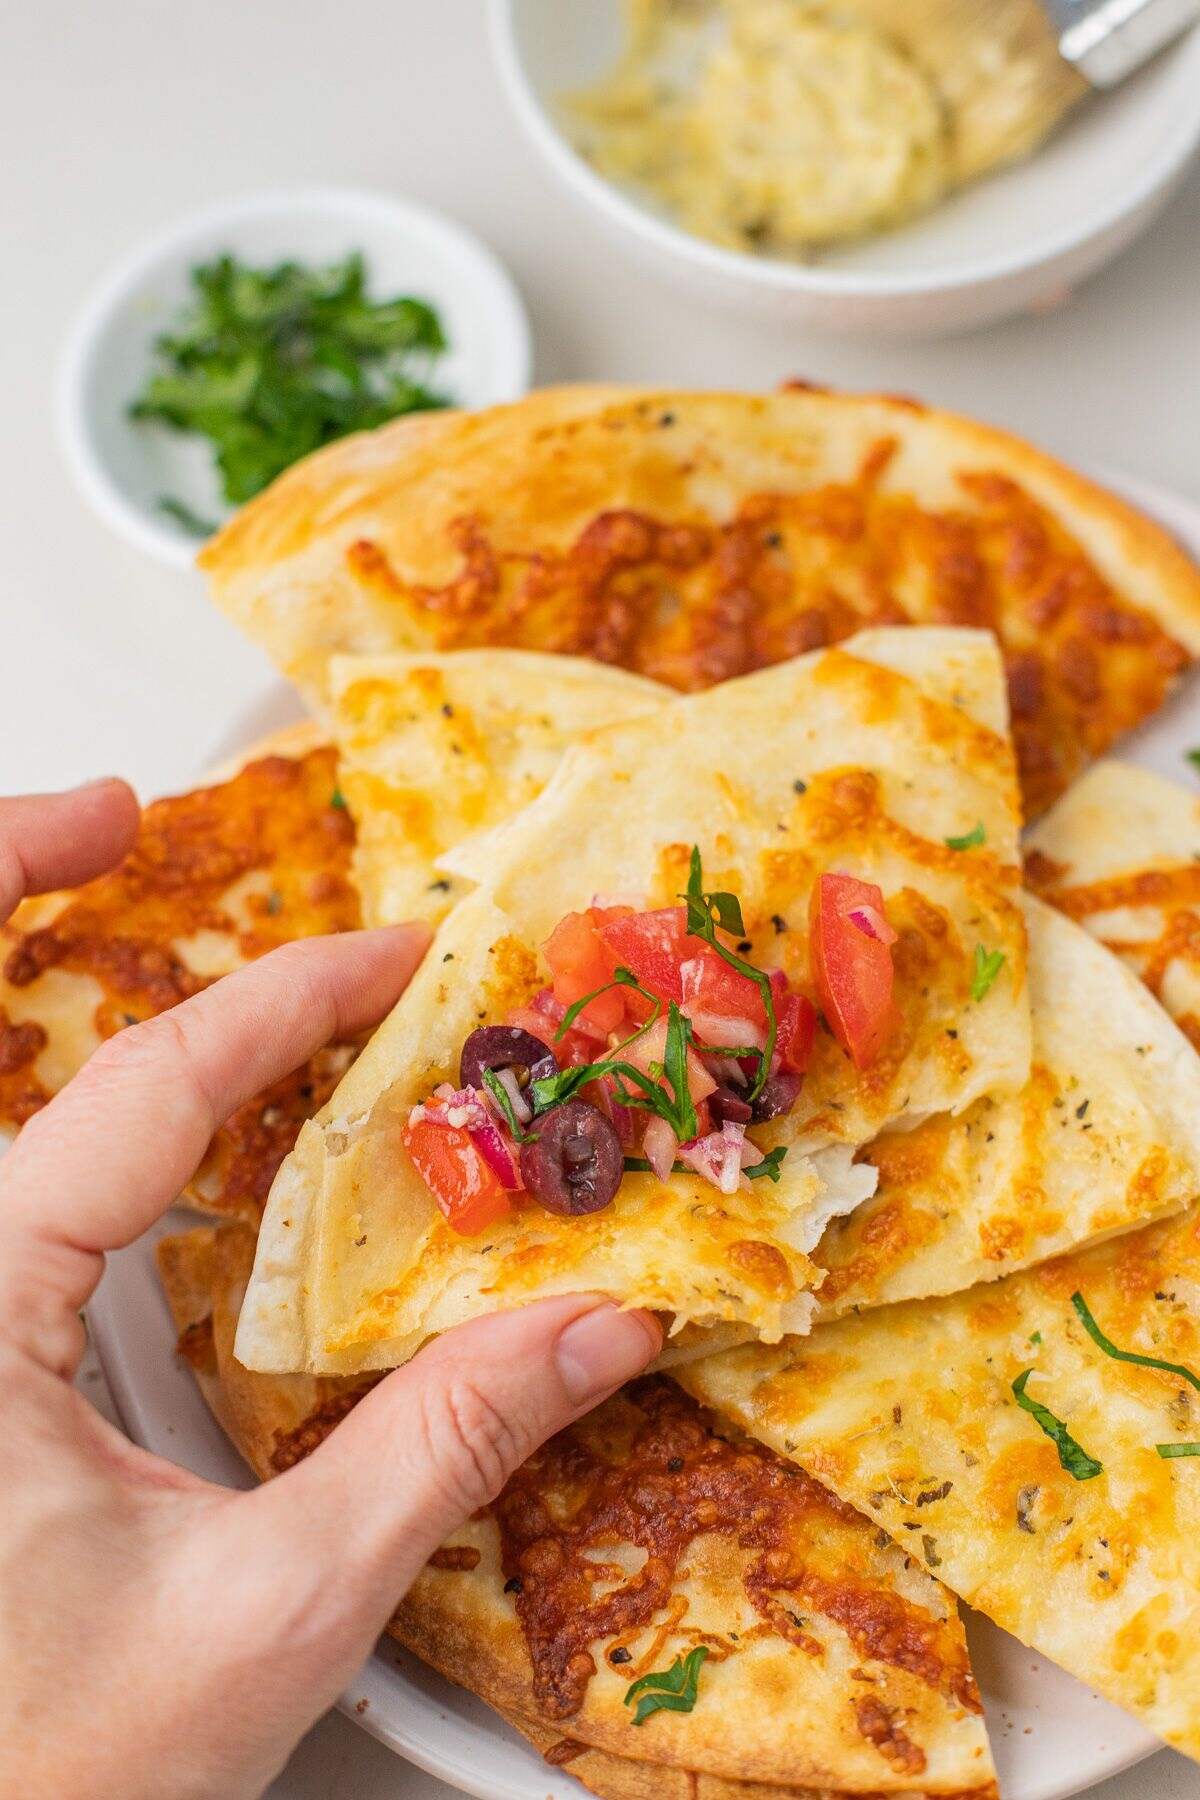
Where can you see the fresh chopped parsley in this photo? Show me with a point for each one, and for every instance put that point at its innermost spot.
(1169, 1451)
(1073, 1457)
(668, 1690)
(970, 840)
(986, 967)
(271, 363)
(1128, 1356)
(705, 912)
(183, 515)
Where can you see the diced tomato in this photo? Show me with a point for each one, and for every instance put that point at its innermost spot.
(456, 1174)
(649, 1049)
(853, 966)
(711, 985)
(797, 1028)
(580, 962)
(654, 945)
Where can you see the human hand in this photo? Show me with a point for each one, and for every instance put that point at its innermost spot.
(160, 1636)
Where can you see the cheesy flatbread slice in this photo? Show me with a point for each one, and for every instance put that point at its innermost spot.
(217, 877)
(831, 762)
(436, 748)
(1051, 1485)
(1120, 853)
(1104, 1136)
(693, 537)
(829, 1659)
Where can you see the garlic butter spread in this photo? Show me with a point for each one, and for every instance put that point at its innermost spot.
(777, 125)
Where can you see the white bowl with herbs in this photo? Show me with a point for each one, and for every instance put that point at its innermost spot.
(258, 330)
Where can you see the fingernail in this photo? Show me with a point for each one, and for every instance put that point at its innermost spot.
(605, 1347)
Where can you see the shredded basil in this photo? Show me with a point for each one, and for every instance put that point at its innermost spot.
(338, 799)
(677, 1108)
(1193, 757)
(1129, 1356)
(1073, 1457)
(623, 978)
(503, 1099)
(1169, 1451)
(988, 964)
(668, 1690)
(640, 1165)
(769, 1166)
(705, 912)
(969, 841)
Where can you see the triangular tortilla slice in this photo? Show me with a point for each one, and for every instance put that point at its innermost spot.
(832, 761)
(436, 748)
(834, 1661)
(1104, 1136)
(251, 860)
(1121, 854)
(909, 1412)
(694, 537)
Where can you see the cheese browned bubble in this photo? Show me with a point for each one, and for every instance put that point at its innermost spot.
(783, 125)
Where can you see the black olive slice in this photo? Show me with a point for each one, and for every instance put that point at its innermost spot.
(779, 1095)
(505, 1047)
(573, 1161)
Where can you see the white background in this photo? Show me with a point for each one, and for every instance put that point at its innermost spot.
(118, 117)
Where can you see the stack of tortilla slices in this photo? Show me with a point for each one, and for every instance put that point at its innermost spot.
(954, 1350)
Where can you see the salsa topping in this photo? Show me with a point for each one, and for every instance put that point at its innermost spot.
(653, 1047)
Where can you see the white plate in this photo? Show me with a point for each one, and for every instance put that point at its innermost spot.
(123, 468)
(1051, 1736)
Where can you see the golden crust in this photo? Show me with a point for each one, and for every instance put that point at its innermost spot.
(695, 536)
(909, 1413)
(734, 1547)
(218, 876)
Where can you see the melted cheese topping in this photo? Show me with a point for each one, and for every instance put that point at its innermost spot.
(217, 877)
(692, 603)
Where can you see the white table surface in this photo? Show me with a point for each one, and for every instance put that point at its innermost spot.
(117, 118)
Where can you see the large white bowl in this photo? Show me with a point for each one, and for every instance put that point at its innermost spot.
(124, 468)
(1018, 241)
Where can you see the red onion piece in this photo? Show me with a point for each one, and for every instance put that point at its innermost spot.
(659, 1144)
(871, 922)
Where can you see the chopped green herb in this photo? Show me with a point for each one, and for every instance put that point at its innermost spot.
(503, 1099)
(1168, 1452)
(640, 1165)
(677, 1108)
(668, 1690)
(274, 903)
(271, 363)
(970, 841)
(623, 978)
(1036, 1338)
(705, 912)
(1193, 757)
(987, 965)
(1073, 1457)
(338, 799)
(769, 1166)
(1128, 1356)
(183, 515)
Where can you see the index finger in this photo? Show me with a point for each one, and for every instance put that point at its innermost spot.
(58, 840)
(111, 1152)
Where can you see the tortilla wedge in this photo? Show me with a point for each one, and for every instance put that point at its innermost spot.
(437, 748)
(861, 1652)
(868, 772)
(1105, 1136)
(218, 876)
(696, 536)
(910, 1413)
(1120, 853)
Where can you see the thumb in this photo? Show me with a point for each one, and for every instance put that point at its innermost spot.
(439, 1438)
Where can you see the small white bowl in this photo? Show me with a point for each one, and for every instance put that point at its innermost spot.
(123, 468)
(1019, 241)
